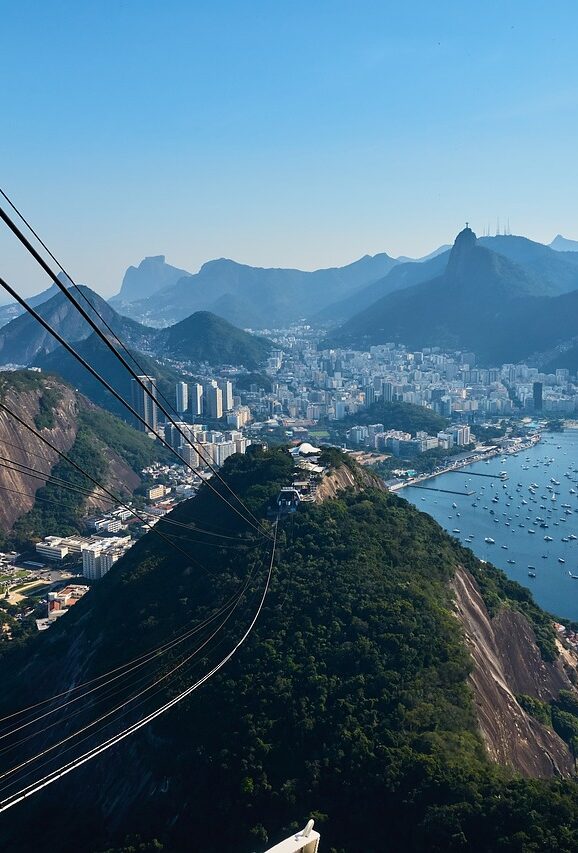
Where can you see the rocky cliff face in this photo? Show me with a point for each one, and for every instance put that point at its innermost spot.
(19, 445)
(51, 408)
(507, 662)
(338, 479)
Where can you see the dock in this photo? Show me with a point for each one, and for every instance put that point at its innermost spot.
(447, 491)
(478, 474)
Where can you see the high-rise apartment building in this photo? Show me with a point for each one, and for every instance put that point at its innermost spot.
(196, 399)
(213, 401)
(226, 387)
(144, 403)
(190, 455)
(181, 433)
(387, 392)
(537, 389)
(182, 394)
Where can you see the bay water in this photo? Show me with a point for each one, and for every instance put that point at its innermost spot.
(532, 516)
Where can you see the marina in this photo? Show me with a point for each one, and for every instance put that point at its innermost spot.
(505, 503)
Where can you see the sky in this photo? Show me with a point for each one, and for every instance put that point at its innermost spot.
(285, 133)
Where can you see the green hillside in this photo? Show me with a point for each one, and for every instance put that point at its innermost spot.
(395, 415)
(59, 511)
(23, 339)
(205, 337)
(349, 702)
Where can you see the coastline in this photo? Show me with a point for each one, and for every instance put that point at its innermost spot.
(477, 455)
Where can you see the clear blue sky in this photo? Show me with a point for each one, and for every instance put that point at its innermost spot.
(283, 133)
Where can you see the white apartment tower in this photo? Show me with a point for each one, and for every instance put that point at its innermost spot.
(182, 394)
(226, 387)
(196, 395)
(144, 403)
(213, 401)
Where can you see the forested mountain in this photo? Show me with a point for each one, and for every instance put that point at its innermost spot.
(554, 272)
(201, 337)
(402, 416)
(483, 302)
(13, 309)
(254, 297)
(111, 451)
(355, 699)
(23, 339)
(548, 273)
(401, 276)
(205, 337)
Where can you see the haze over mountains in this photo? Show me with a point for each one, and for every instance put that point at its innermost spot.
(255, 297)
(505, 303)
(152, 274)
(23, 338)
(200, 337)
(431, 301)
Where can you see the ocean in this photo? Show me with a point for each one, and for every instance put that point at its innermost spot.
(538, 502)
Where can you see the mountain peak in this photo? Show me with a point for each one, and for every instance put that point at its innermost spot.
(466, 237)
(461, 252)
(563, 244)
(152, 274)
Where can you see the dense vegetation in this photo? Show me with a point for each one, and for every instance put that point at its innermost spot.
(205, 337)
(47, 402)
(422, 463)
(561, 715)
(348, 703)
(402, 416)
(20, 381)
(136, 448)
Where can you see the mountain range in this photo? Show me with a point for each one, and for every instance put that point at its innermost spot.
(253, 297)
(23, 338)
(200, 337)
(13, 309)
(373, 299)
(140, 282)
(506, 298)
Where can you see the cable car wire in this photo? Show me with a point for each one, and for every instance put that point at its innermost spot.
(23, 239)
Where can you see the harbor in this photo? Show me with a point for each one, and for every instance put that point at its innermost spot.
(518, 511)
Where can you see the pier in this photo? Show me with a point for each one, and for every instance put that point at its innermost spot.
(477, 474)
(447, 491)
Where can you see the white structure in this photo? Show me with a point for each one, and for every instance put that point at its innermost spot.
(144, 403)
(306, 841)
(196, 395)
(213, 401)
(98, 558)
(222, 451)
(182, 394)
(52, 548)
(240, 417)
(226, 387)
(189, 455)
